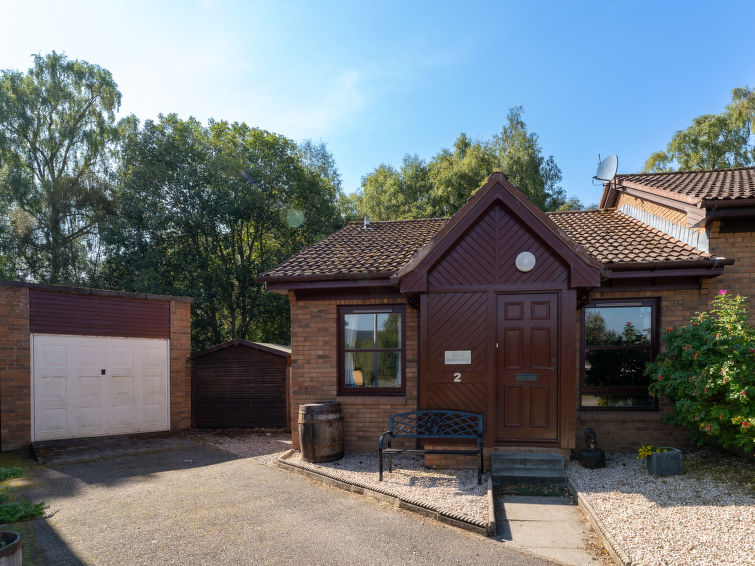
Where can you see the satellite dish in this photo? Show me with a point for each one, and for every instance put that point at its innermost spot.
(607, 169)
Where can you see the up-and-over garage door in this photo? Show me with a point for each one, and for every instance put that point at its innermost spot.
(96, 386)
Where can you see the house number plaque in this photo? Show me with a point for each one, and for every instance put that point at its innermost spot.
(458, 357)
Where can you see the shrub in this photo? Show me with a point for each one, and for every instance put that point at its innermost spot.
(708, 372)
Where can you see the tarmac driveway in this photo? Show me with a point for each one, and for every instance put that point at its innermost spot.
(190, 503)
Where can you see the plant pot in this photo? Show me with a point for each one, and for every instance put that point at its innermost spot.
(10, 549)
(664, 464)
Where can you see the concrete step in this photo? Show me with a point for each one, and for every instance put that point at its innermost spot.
(537, 476)
(525, 460)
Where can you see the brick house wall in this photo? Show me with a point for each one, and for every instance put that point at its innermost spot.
(15, 368)
(628, 430)
(314, 370)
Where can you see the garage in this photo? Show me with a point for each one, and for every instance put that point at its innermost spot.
(77, 363)
(94, 386)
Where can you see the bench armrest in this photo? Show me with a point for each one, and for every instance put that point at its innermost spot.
(386, 435)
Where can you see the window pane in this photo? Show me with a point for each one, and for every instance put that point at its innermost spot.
(360, 369)
(389, 369)
(359, 330)
(621, 367)
(389, 330)
(617, 325)
(617, 401)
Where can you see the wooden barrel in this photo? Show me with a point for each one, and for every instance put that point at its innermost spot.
(321, 431)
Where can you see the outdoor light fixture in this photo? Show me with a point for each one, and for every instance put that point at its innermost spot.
(525, 261)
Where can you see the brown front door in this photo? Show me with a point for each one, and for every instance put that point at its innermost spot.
(526, 367)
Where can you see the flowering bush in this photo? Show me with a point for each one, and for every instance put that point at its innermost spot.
(708, 372)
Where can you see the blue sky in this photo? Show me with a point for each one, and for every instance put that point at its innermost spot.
(381, 79)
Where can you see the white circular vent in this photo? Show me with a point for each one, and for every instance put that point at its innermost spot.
(525, 261)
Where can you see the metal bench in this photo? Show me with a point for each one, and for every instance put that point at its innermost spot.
(432, 425)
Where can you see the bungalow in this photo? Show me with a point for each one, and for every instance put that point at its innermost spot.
(542, 322)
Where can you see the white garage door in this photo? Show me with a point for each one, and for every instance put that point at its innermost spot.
(96, 386)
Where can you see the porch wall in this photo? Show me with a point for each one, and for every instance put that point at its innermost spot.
(619, 430)
(314, 371)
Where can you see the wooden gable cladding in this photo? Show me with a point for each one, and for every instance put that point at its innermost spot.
(478, 244)
(486, 254)
(459, 322)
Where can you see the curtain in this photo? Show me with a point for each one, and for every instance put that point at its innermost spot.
(350, 336)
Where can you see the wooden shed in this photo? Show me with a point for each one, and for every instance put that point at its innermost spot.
(241, 384)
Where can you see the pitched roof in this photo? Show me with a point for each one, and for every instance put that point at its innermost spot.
(380, 249)
(385, 247)
(277, 349)
(611, 236)
(696, 186)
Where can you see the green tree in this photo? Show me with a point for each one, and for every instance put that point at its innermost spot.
(521, 159)
(202, 210)
(713, 141)
(442, 186)
(57, 140)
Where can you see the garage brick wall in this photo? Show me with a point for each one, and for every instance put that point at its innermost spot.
(15, 365)
(15, 379)
(314, 371)
(180, 365)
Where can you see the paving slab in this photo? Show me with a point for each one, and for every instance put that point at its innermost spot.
(552, 527)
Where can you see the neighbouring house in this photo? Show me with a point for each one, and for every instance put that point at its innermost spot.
(542, 322)
(240, 384)
(84, 362)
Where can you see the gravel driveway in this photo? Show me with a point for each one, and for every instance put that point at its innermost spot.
(197, 504)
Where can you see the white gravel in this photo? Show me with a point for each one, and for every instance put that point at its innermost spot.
(697, 518)
(452, 491)
(262, 446)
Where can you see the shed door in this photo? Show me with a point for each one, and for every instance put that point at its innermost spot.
(96, 386)
(526, 368)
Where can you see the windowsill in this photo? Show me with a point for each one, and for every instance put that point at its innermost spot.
(619, 413)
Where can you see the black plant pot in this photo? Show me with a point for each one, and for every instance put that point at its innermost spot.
(668, 463)
(10, 549)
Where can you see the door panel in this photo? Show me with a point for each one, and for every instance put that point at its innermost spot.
(526, 368)
(95, 386)
(87, 386)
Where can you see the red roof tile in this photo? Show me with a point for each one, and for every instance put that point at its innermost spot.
(384, 247)
(381, 248)
(725, 184)
(611, 236)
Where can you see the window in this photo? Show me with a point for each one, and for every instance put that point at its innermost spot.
(371, 349)
(618, 339)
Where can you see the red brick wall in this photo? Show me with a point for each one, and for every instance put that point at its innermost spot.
(629, 430)
(314, 371)
(15, 368)
(180, 365)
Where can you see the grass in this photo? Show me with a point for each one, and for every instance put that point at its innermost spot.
(15, 513)
(10, 473)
